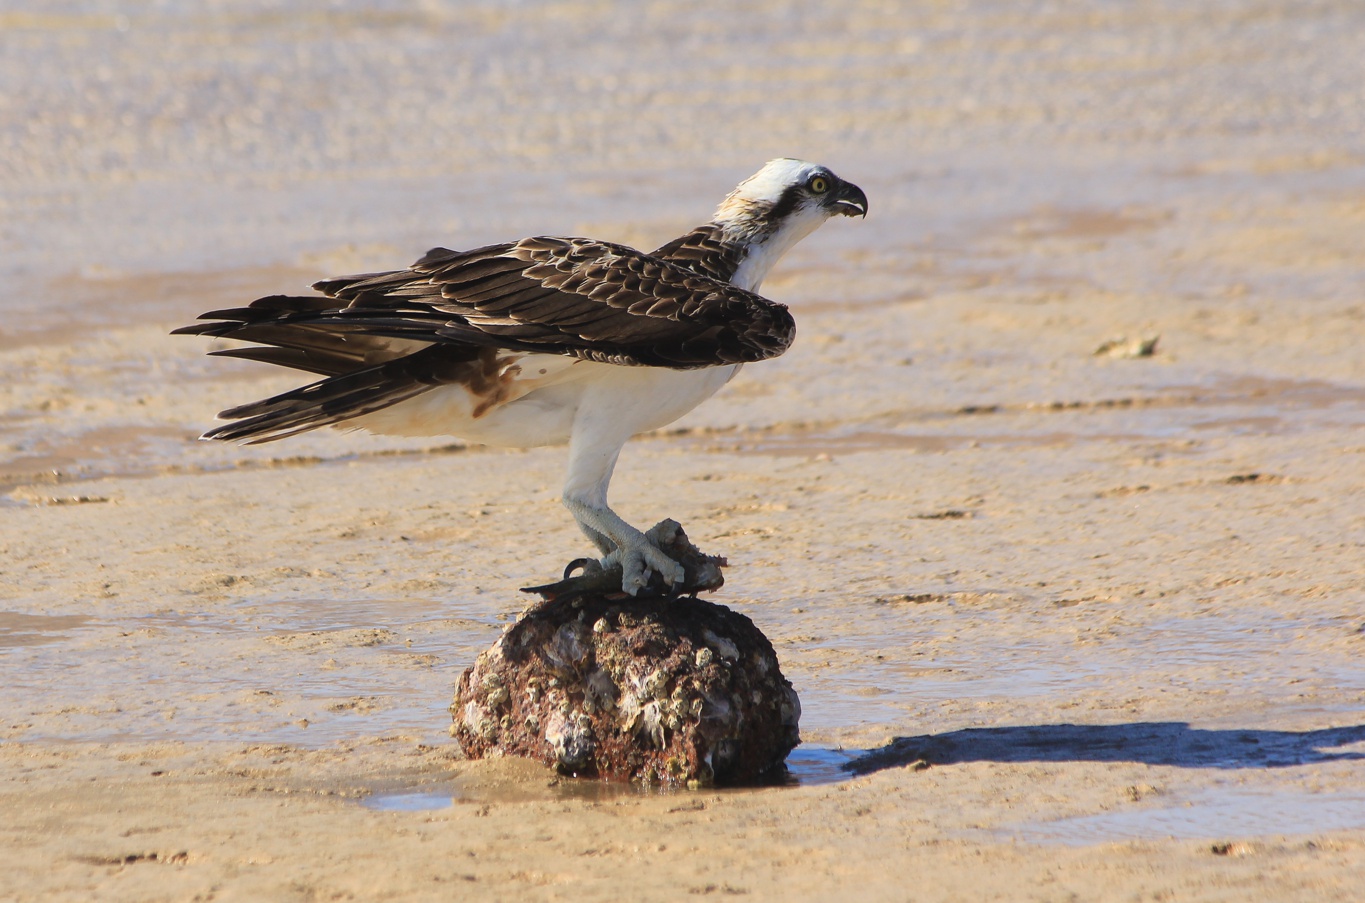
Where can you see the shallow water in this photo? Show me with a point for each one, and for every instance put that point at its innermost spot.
(1219, 813)
(18, 629)
(387, 667)
(1224, 812)
(1224, 405)
(370, 668)
(807, 766)
(410, 802)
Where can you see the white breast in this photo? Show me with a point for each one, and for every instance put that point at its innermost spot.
(763, 254)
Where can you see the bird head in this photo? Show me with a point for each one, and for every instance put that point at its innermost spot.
(786, 192)
(781, 204)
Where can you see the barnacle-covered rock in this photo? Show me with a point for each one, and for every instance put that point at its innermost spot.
(669, 690)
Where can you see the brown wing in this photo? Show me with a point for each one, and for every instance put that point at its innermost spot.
(588, 299)
(704, 250)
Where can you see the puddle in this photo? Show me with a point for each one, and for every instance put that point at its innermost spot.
(445, 795)
(18, 629)
(106, 451)
(811, 766)
(1219, 813)
(806, 766)
(410, 802)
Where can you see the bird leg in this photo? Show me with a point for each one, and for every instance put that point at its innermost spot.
(604, 545)
(637, 553)
(602, 425)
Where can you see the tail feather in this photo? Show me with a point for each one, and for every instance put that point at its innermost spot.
(374, 348)
(291, 325)
(347, 396)
(270, 309)
(310, 361)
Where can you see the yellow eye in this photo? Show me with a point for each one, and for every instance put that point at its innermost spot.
(818, 184)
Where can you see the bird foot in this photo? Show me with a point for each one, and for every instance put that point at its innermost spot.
(671, 566)
(641, 559)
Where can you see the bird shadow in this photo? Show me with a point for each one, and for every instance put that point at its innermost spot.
(1150, 742)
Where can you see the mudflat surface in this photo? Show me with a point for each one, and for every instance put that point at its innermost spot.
(1065, 624)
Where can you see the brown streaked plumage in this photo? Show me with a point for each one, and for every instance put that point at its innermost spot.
(706, 251)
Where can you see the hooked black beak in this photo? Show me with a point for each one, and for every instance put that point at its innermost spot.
(849, 200)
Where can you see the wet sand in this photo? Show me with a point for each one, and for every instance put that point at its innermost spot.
(1065, 624)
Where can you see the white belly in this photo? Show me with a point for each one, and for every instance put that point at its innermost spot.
(553, 395)
(646, 398)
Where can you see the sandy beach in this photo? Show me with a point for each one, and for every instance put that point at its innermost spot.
(1054, 513)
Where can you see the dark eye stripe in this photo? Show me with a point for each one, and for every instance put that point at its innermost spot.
(786, 203)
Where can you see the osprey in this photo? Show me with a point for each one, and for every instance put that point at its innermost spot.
(542, 341)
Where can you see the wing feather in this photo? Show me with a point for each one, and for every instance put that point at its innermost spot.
(586, 299)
